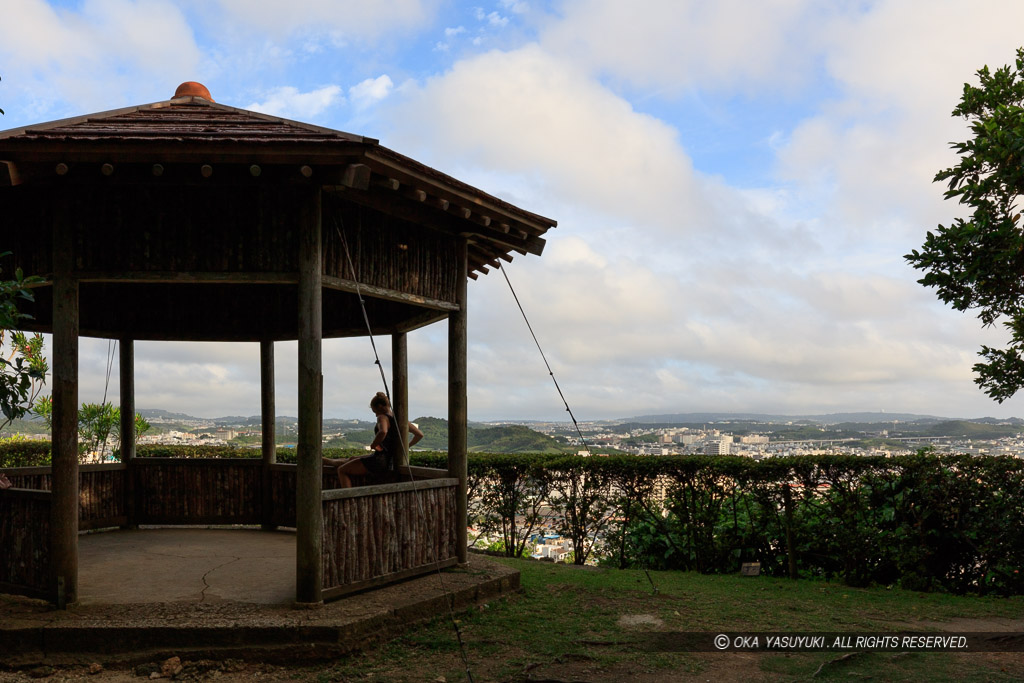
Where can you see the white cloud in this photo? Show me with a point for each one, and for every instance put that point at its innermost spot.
(528, 113)
(371, 91)
(95, 56)
(515, 6)
(664, 288)
(350, 18)
(678, 44)
(495, 19)
(288, 102)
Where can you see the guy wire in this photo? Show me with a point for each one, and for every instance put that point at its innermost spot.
(552, 373)
(548, 365)
(449, 599)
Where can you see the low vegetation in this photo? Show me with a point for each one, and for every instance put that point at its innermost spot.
(603, 625)
(925, 522)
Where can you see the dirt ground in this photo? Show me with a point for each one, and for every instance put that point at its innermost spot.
(705, 666)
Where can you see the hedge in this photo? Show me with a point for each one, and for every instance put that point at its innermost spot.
(926, 522)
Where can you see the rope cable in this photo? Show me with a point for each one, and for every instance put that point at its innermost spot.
(449, 598)
(362, 305)
(552, 374)
(548, 365)
(111, 347)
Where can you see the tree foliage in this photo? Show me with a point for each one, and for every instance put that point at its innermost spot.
(977, 263)
(98, 424)
(23, 365)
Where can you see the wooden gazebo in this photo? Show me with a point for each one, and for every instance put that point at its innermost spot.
(191, 220)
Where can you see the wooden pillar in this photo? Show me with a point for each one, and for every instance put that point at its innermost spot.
(127, 372)
(458, 402)
(64, 505)
(400, 388)
(268, 415)
(308, 510)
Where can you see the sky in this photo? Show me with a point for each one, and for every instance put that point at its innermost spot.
(736, 184)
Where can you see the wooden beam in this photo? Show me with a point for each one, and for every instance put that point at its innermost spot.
(393, 168)
(268, 422)
(356, 176)
(460, 211)
(400, 391)
(187, 278)
(386, 183)
(343, 285)
(458, 412)
(415, 195)
(418, 321)
(64, 431)
(9, 174)
(126, 369)
(445, 222)
(308, 509)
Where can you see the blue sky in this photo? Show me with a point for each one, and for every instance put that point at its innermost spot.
(735, 184)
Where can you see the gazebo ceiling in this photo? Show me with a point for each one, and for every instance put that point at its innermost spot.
(134, 180)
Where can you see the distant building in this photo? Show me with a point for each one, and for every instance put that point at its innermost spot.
(717, 447)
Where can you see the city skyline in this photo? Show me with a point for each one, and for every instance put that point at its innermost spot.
(735, 184)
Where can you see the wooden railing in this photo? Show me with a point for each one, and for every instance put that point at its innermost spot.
(24, 541)
(379, 534)
(372, 534)
(101, 492)
(187, 491)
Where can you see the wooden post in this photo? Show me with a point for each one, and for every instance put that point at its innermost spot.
(458, 402)
(127, 371)
(308, 506)
(268, 414)
(64, 435)
(400, 388)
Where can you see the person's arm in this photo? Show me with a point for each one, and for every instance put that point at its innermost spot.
(382, 431)
(416, 434)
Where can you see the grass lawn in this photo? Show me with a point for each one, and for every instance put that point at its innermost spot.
(583, 624)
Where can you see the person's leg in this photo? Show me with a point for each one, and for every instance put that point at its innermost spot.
(355, 467)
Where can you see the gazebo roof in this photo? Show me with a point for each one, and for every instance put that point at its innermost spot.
(191, 208)
(192, 128)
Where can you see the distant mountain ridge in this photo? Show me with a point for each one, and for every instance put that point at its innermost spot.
(667, 418)
(830, 418)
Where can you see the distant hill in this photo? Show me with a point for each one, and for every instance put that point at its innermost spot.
(501, 439)
(150, 413)
(829, 419)
(974, 430)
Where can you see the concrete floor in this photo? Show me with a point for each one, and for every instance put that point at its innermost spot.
(222, 593)
(186, 565)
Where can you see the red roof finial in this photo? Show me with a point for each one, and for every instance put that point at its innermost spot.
(192, 89)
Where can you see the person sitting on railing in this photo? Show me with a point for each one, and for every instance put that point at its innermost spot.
(386, 448)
